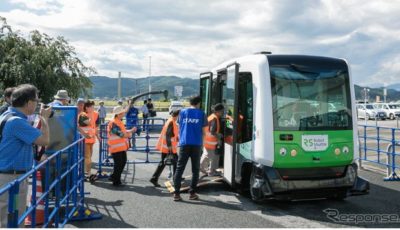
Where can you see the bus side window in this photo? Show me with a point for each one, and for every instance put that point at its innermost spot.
(245, 106)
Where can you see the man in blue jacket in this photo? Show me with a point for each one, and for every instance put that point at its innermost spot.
(192, 126)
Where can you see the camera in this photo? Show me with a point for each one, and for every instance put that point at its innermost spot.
(39, 105)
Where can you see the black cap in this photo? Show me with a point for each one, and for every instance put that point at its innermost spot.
(218, 107)
(174, 112)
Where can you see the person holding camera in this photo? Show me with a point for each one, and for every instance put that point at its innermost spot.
(17, 137)
(152, 112)
(167, 144)
(145, 113)
(212, 142)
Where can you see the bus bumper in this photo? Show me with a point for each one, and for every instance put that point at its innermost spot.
(271, 185)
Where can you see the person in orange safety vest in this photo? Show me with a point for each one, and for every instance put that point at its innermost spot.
(213, 139)
(88, 121)
(118, 143)
(167, 144)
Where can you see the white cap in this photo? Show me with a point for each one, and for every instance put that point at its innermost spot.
(118, 109)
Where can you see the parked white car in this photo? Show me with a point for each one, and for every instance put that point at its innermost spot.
(175, 105)
(367, 111)
(391, 110)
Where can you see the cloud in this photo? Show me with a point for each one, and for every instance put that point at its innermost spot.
(188, 37)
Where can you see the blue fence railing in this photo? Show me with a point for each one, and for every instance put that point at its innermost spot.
(140, 142)
(62, 197)
(381, 146)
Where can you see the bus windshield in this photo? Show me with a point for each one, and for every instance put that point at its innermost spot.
(310, 93)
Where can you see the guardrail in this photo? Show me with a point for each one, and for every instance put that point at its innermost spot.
(105, 160)
(379, 146)
(67, 203)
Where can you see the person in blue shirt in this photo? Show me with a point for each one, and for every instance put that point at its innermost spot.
(131, 116)
(132, 121)
(61, 98)
(18, 136)
(192, 126)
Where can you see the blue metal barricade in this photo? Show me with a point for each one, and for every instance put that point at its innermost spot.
(68, 202)
(150, 129)
(379, 145)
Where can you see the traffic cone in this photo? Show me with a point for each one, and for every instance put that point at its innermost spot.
(40, 206)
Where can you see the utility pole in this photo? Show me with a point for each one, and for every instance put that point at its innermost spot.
(149, 73)
(366, 95)
(136, 87)
(384, 94)
(365, 104)
(119, 85)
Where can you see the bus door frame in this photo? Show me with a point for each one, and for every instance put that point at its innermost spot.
(208, 75)
(230, 157)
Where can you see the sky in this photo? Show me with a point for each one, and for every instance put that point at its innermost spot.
(185, 38)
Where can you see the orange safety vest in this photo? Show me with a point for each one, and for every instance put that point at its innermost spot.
(91, 128)
(211, 141)
(162, 141)
(116, 143)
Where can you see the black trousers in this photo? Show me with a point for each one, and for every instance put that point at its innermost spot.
(119, 165)
(194, 153)
(161, 166)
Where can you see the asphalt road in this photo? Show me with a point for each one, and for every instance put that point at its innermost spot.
(139, 204)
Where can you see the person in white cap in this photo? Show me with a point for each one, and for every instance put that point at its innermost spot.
(61, 98)
(118, 143)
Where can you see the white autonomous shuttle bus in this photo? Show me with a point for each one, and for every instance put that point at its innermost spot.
(290, 126)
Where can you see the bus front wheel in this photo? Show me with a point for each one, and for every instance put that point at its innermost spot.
(256, 192)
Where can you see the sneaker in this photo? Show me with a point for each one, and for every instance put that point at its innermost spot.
(117, 184)
(214, 174)
(154, 182)
(177, 197)
(193, 196)
(92, 178)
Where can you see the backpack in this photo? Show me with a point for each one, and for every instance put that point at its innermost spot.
(3, 123)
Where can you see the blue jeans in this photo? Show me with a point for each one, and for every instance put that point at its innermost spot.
(194, 152)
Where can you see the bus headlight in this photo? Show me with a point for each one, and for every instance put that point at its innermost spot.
(345, 149)
(282, 152)
(293, 153)
(337, 151)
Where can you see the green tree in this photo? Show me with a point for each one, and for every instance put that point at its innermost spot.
(48, 63)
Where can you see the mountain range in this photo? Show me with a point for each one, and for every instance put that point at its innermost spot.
(107, 87)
